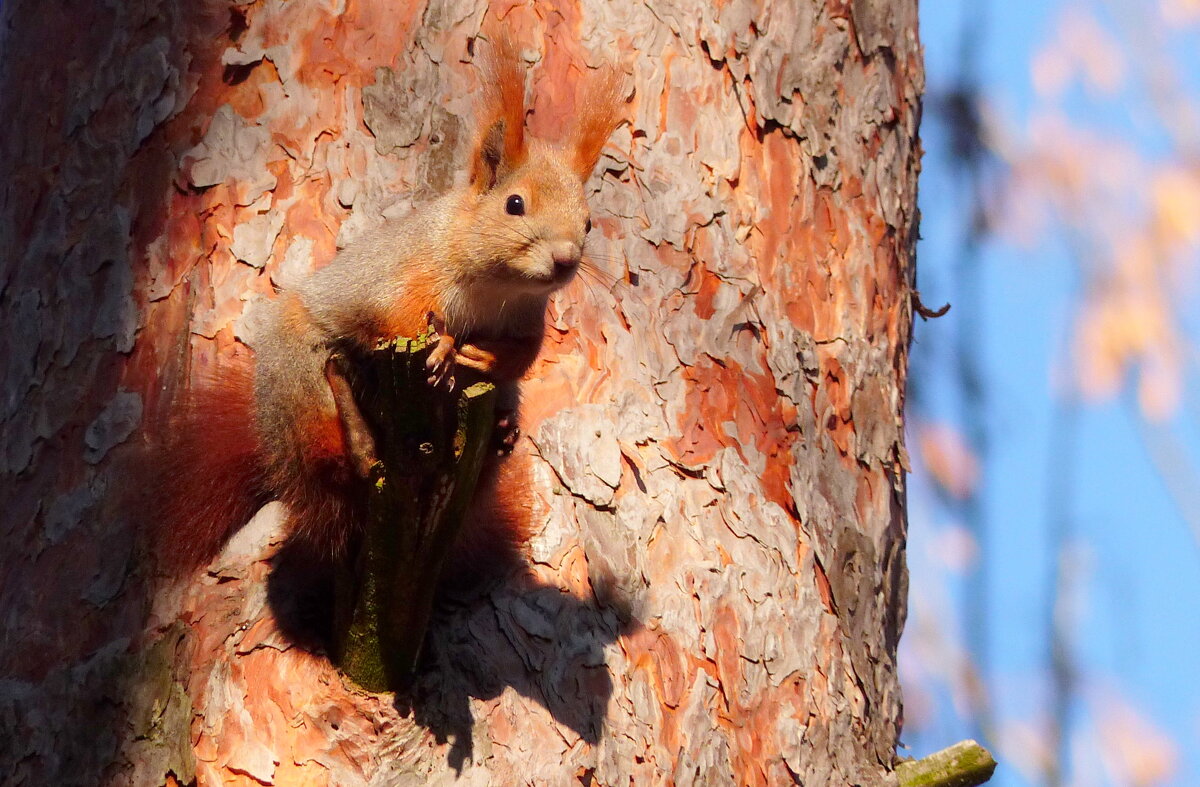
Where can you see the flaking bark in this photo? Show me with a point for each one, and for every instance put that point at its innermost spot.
(716, 583)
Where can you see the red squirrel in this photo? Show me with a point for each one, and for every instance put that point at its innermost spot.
(478, 264)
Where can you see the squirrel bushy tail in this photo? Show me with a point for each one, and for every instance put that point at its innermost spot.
(212, 473)
(208, 471)
(498, 524)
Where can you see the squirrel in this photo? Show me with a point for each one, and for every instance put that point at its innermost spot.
(477, 265)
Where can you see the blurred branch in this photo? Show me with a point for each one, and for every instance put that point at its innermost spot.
(1177, 471)
(958, 108)
(1060, 494)
(1060, 483)
(962, 114)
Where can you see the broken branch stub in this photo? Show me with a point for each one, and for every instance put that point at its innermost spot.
(431, 444)
(965, 764)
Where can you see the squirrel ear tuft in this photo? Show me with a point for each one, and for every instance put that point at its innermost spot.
(489, 155)
(596, 117)
(500, 114)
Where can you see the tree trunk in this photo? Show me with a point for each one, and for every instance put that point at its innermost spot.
(717, 584)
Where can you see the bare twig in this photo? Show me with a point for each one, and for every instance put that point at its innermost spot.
(924, 311)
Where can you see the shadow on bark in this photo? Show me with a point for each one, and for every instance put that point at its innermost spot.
(511, 632)
(85, 144)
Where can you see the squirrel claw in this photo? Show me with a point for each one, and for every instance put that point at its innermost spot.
(474, 357)
(506, 433)
(445, 383)
(440, 363)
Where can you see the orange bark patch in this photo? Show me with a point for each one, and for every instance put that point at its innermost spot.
(729, 406)
(727, 638)
(823, 587)
(307, 219)
(654, 652)
(571, 574)
(706, 291)
(838, 423)
(247, 95)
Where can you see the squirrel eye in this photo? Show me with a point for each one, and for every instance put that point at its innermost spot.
(587, 227)
(515, 206)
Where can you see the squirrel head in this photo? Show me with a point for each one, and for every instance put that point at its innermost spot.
(530, 215)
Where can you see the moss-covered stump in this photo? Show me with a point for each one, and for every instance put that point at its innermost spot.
(430, 444)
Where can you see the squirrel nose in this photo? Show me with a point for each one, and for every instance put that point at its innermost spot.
(566, 255)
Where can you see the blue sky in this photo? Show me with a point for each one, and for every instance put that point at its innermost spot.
(1135, 562)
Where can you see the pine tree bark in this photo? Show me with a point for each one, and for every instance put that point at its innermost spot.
(716, 586)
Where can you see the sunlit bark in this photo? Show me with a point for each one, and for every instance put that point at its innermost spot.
(716, 585)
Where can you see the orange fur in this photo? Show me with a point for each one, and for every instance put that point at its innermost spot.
(210, 478)
(410, 315)
(498, 524)
(596, 117)
(503, 102)
(325, 500)
(208, 472)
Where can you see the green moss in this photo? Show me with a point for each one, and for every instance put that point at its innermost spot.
(965, 764)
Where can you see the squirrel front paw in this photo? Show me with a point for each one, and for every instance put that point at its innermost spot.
(440, 362)
(474, 356)
(498, 359)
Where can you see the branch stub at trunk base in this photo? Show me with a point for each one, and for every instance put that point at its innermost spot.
(431, 444)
